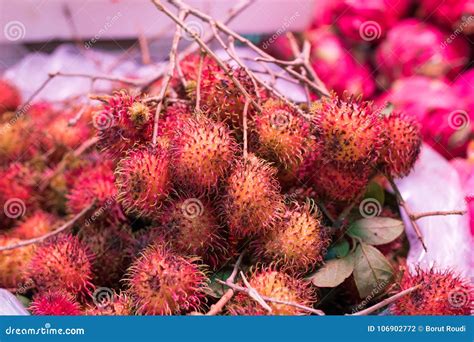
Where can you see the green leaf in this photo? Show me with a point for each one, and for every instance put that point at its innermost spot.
(338, 250)
(375, 191)
(372, 271)
(376, 230)
(216, 289)
(334, 272)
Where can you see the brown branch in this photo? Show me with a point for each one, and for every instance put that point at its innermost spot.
(437, 213)
(197, 108)
(65, 226)
(245, 128)
(94, 78)
(254, 294)
(386, 301)
(219, 306)
(404, 205)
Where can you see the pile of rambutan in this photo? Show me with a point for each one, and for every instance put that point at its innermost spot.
(142, 214)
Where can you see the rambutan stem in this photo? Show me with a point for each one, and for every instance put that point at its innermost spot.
(244, 124)
(62, 228)
(197, 108)
(386, 301)
(404, 205)
(437, 213)
(94, 78)
(219, 306)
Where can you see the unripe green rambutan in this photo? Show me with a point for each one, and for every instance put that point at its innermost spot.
(117, 305)
(283, 136)
(124, 121)
(62, 263)
(349, 131)
(143, 180)
(335, 184)
(38, 224)
(194, 229)
(55, 303)
(13, 262)
(162, 283)
(441, 293)
(299, 242)
(278, 285)
(202, 151)
(253, 203)
(402, 143)
(112, 247)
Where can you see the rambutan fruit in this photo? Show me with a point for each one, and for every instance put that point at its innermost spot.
(299, 242)
(62, 263)
(18, 139)
(348, 131)
(253, 203)
(96, 185)
(13, 262)
(278, 285)
(195, 229)
(441, 293)
(402, 143)
(126, 119)
(333, 183)
(117, 305)
(202, 151)
(17, 196)
(171, 122)
(38, 224)
(112, 246)
(10, 97)
(55, 303)
(283, 135)
(162, 283)
(143, 180)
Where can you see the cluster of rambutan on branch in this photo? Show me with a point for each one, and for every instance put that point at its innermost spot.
(215, 167)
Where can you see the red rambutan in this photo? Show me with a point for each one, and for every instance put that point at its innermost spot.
(441, 293)
(162, 283)
(18, 139)
(253, 202)
(299, 242)
(402, 143)
(38, 224)
(10, 97)
(202, 152)
(62, 263)
(13, 262)
(143, 180)
(55, 303)
(278, 285)
(349, 131)
(115, 305)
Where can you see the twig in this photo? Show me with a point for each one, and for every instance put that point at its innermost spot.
(65, 226)
(254, 294)
(386, 301)
(24, 107)
(198, 85)
(219, 306)
(437, 213)
(168, 76)
(273, 300)
(245, 128)
(97, 77)
(144, 48)
(404, 205)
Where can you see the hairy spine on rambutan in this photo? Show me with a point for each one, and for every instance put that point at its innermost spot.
(18, 138)
(402, 143)
(116, 304)
(162, 283)
(441, 293)
(298, 243)
(194, 229)
(143, 180)
(283, 136)
(14, 262)
(126, 119)
(62, 263)
(253, 202)
(202, 152)
(348, 131)
(38, 224)
(277, 285)
(55, 303)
